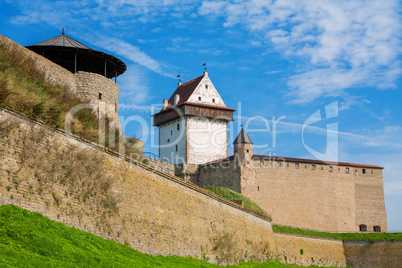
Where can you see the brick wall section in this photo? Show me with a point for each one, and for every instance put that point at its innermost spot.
(224, 174)
(54, 73)
(316, 251)
(378, 254)
(157, 213)
(90, 86)
(313, 198)
(370, 207)
(161, 165)
(317, 199)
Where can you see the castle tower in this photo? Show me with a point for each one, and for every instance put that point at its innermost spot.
(193, 124)
(243, 149)
(92, 70)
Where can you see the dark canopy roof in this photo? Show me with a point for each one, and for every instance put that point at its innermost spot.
(74, 56)
(242, 137)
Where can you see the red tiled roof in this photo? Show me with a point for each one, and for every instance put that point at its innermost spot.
(185, 91)
(291, 159)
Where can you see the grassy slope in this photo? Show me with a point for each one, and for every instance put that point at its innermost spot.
(339, 236)
(29, 239)
(232, 195)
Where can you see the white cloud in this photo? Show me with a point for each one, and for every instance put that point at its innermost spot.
(341, 44)
(77, 13)
(132, 53)
(133, 88)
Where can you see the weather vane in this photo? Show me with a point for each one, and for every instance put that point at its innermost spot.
(205, 64)
(178, 76)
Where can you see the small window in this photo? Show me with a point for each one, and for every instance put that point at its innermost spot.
(100, 95)
(377, 229)
(115, 107)
(247, 151)
(171, 132)
(372, 172)
(178, 126)
(363, 228)
(330, 168)
(213, 100)
(261, 162)
(176, 148)
(355, 170)
(168, 140)
(206, 86)
(347, 170)
(258, 188)
(279, 164)
(313, 167)
(297, 166)
(364, 171)
(305, 166)
(199, 98)
(287, 165)
(322, 168)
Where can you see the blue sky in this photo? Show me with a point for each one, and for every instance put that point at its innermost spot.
(274, 60)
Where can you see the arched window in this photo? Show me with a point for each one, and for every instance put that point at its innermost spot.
(363, 228)
(377, 228)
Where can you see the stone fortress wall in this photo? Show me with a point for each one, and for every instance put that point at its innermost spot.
(305, 195)
(101, 91)
(155, 213)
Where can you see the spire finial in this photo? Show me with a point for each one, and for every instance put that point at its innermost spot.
(205, 65)
(63, 31)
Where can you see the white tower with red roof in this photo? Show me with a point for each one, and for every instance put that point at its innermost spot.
(193, 124)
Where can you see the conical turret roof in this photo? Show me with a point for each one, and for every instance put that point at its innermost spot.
(242, 138)
(62, 41)
(75, 56)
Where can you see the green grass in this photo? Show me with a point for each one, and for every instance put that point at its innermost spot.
(339, 236)
(28, 239)
(233, 195)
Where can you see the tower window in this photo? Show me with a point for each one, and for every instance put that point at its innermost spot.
(199, 98)
(168, 140)
(178, 126)
(297, 166)
(279, 164)
(364, 171)
(206, 86)
(247, 150)
(261, 162)
(363, 228)
(176, 147)
(347, 170)
(377, 228)
(115, 107)
(258, 188)
(213, 100)
(171, 132)
(330, 168)
(100, 95)
(313, 167)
